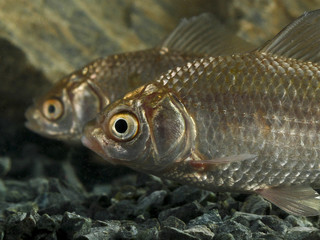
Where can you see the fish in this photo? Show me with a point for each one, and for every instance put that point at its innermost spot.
(62, 112)
(247, 122)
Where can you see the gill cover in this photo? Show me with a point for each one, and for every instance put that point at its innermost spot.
(172, 130)
(86, 103)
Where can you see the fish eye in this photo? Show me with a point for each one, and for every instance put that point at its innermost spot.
(123, 126)
(52, 109)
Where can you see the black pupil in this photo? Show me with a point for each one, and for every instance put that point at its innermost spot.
(51, 109)
(121, 126)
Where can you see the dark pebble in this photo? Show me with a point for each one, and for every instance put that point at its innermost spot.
(263, 236)
(128, 230)
(298, 221)
(201, 232)
(122, 210)
(246, 219)
(236, 229)
(303, 233)
(149, 202)
(224, 236)
(20, 224)
(48, 223)
(276, 224)
(207, 218)
(174, 222)
(73, 226)
(257, 205)
(105, 230)
(45, 236)
(185, 194)
(185, 212)
(174, 233)
(149, 230)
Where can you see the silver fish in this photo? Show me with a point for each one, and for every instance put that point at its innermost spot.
(246, 122)
(62, 112)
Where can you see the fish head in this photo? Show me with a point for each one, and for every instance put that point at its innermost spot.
(62, 112)
(147, 130)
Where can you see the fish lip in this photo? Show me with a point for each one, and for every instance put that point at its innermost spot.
(93, 144)
(32, 116)
(31, 122)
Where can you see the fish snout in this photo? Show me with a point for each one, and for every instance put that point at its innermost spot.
(31, 119)
(89, 139)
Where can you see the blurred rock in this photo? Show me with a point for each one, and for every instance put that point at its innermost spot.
(186, 193)
(149, 229)
(224, 236)
(61, 36)
(185, 212)
(298, 221)
(200, 232)
(237, 230)
(257, 205)
(303, 233)
(21, 225)
(48, 223)
(174, 233)
(174, 222)
(121, 210)
(151, 201)
(211, 217)
(73, 226)
(276, 224)
(5, 165)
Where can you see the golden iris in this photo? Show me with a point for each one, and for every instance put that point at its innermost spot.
(52, 109)
(123, 126)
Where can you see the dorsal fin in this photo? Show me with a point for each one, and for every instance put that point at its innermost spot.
(299, 40)
(204, 34)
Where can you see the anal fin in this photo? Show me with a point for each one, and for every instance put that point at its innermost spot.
(296, 200)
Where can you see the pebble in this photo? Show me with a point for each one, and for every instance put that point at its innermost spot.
(185, 212)
(172, 221)
(174, 233)
(237, 230)
(257, 205)
(73, 226)
(151, 201)
(307, 233)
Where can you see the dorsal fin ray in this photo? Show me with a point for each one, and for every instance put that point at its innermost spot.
(204, 34)
(299, 40)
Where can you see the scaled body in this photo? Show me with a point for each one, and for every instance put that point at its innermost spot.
(246, 122)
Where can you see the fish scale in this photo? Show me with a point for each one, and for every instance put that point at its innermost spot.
(272, 97)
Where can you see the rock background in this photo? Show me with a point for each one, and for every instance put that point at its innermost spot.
(42, 40)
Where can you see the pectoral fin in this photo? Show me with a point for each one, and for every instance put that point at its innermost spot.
(297, 200)
(205, 164)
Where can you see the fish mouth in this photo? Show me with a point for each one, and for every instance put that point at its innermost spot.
(93, 145)
(90, 140)
(32, 123)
